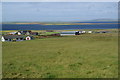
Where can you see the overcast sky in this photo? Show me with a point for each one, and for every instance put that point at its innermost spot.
(58, 11)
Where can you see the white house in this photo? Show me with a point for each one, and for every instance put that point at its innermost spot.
(83, 31)
(27, 33)
(19, 33)
(2, 39)
(89, 31)
(28, 38)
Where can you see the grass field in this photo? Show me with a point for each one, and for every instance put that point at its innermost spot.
(83, 56)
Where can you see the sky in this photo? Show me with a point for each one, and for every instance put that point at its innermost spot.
(60, 0)
(58, 11)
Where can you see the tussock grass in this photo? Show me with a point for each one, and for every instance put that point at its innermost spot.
(82, 56)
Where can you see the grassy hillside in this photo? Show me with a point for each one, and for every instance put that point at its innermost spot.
(83, 56)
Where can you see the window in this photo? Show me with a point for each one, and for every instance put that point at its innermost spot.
(21, 38)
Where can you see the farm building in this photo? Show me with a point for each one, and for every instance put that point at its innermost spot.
(28, 32)
(12, 33)
(67, 33)
(89, 31)
(83, 31)
(15, 38)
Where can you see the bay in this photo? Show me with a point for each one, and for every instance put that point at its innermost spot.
(56, 27)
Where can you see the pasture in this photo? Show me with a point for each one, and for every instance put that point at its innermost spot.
(82, 56)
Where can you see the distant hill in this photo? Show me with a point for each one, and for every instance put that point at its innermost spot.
(98, 21)
(104, 20)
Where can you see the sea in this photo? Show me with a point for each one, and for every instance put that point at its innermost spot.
(57, 27)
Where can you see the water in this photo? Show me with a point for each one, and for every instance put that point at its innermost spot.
(56, 27)
(98, 22)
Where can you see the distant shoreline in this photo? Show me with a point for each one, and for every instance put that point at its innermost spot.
(62, 23)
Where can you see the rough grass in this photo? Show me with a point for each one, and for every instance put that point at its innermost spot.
(83, 56)
(49, 33)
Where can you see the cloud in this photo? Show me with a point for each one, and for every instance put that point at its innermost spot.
(58, 11)
(59, 0)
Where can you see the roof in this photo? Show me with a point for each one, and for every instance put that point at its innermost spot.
(13, 36)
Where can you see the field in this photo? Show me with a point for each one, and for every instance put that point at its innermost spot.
(82, 56)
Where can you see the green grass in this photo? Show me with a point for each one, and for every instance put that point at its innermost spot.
(83, 56)
(48, 33)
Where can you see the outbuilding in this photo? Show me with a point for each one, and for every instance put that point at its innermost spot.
(83, 32)
(89, 31)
